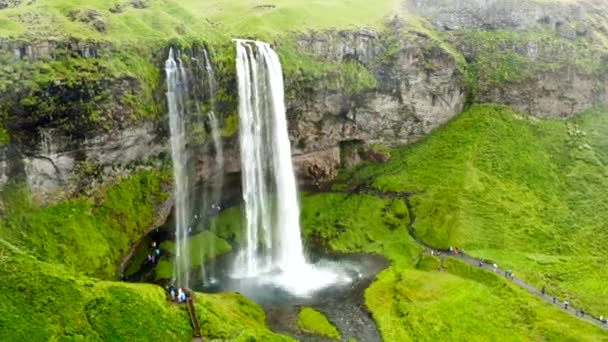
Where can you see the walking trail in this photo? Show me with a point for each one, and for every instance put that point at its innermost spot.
(473, 261)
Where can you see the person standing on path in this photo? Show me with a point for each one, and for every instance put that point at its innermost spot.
(566, 304)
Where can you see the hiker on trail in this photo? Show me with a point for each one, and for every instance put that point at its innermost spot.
(582, 312)
(150, 258)
(153, 244)
(566, 304)
(172, 293)
(495, 267)
(480, 263)
(554, 300)
(181, 296)
(451, 249)
(543, 290)
(601, 318)
(432, 252)
(462, 252)
(157, 251)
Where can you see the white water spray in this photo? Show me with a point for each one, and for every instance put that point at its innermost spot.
(272, 214)
(176, 84)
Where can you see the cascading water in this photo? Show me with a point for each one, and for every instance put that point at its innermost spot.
(176, 90)
(273, 251)
(266, 163)
(218, 150)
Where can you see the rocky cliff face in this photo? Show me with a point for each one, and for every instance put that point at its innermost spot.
(555, 65)
(418, 86)
(84, 118)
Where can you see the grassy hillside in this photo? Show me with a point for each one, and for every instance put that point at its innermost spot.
(89, 234)
(132, 21)
(525, 193)
(40, 301)
(412, 300)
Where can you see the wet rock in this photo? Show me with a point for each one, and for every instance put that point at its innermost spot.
(52, 166)
(409, 101)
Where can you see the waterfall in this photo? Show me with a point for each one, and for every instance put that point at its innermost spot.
(176, 92)
(218, 151)
(271, 207)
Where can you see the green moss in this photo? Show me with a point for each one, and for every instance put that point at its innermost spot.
(4, 137)
(42, 301)
(87, 234)
(315, 322)
(412, 305)
(233, 317)
(355, 78)
(203, 247)
(358, 223)
(501, 57)
(523, 192)
(76, 94)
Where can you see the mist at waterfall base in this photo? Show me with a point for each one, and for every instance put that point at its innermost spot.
(273, 253)
(269, 263)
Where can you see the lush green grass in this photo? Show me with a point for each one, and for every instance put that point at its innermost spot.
(315, 322)
(166, 19)
(40, 301)
(233, 317)
(342, 223)
(526, 193)
(411, 300)
(87, 234)
(466, 304)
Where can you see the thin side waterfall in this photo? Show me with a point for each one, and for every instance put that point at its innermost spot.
(176, 92)
(272, 213)
(218, 150)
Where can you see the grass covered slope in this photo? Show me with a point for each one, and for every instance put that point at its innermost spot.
(315, 322)
(412, 301)
(40, 301)
(87, 234)
(465, 303)
(525, 193)
(165, 19)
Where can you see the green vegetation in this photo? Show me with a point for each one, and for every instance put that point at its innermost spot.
(523, 192)
(246, 321)
(87, 234)
(505, 56)
(315, 322)
(77, 94)
(163, 20)
(4, 137)
(40, 301)
(203, 247)
(466, 304)
(411, 300)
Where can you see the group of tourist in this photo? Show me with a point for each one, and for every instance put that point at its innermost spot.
(153, 253)
(509, 275)
(179, 295)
